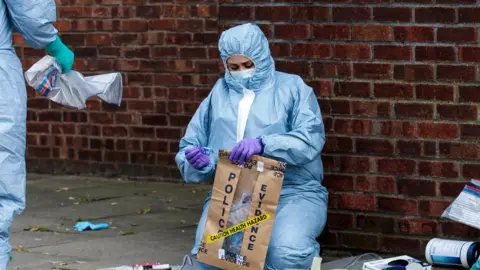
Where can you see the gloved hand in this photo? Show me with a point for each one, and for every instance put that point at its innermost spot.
(245, 149)
(197, 157)
(62, 54)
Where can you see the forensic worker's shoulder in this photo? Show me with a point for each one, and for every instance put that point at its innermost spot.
(219, 86)
(282, 77)
(216, 93)
(219, 90)
(221, 82)
(291, 83)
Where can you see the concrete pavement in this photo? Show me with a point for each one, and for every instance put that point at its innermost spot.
(149, 222)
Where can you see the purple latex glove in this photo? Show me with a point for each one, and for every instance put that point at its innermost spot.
(197, 157)
(245, 149)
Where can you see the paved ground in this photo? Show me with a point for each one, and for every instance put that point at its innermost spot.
(149, 222)
(163, 234)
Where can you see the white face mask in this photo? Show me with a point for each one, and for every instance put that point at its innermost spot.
(241, 76)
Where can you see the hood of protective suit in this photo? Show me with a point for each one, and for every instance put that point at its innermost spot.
(248, 40)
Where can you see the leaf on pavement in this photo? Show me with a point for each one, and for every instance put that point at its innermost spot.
(126, 233)
(37, 229)
(21, 249)
(144, 211)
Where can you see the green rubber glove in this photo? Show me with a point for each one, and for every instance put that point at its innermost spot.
(62, 54)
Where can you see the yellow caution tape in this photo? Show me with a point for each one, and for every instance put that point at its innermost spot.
(237, 228)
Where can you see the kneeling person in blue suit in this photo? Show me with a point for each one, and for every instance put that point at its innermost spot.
(256, 110)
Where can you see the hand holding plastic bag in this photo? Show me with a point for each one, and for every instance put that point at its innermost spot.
(72, 89)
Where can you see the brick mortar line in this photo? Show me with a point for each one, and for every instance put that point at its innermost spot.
(421, 178)
(384, 194)
(377, 61)
(333, 117)
(395, 81)
(141, 72)
(411, 24)
(394, 155)
(415, 120)
(367, 5)
(382, 235)
(383, 138)
(396, 100)
(389, 214)
(395, 196)
(274, 42)
(409, 158)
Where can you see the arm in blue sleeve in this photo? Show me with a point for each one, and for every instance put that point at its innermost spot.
(33, 20)
(197, 135)
(306, 139)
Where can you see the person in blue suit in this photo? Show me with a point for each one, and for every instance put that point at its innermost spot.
(256, 110)
(33, 20)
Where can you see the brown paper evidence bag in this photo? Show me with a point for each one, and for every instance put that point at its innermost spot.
(260, 177)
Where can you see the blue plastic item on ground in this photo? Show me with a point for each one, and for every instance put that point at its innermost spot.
(85, 225)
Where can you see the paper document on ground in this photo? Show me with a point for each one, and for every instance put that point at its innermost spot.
(466, 207)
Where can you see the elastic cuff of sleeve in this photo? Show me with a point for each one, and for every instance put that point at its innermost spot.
(260, 139)
(263, 141)
(206, 169)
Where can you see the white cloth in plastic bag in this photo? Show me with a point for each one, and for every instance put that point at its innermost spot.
(73, 89)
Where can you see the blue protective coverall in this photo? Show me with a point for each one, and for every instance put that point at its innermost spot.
(33, 20)
(286, 115)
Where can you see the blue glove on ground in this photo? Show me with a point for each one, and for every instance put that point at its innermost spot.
(197, 157)
(62, 54)
(245, 149)
(85, 225)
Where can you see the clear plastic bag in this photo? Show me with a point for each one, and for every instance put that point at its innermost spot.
(238, 214)
(73, 89)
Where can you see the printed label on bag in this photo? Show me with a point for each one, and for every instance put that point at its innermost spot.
(240, 260)
(237, 228)
(221, 254)
(260, 166)
(231, 257)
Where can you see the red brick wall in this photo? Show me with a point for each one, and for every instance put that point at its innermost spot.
(167, 54)
(397, 81)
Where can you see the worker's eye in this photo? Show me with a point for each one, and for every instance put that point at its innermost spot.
(248, 65)
(234, 67)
